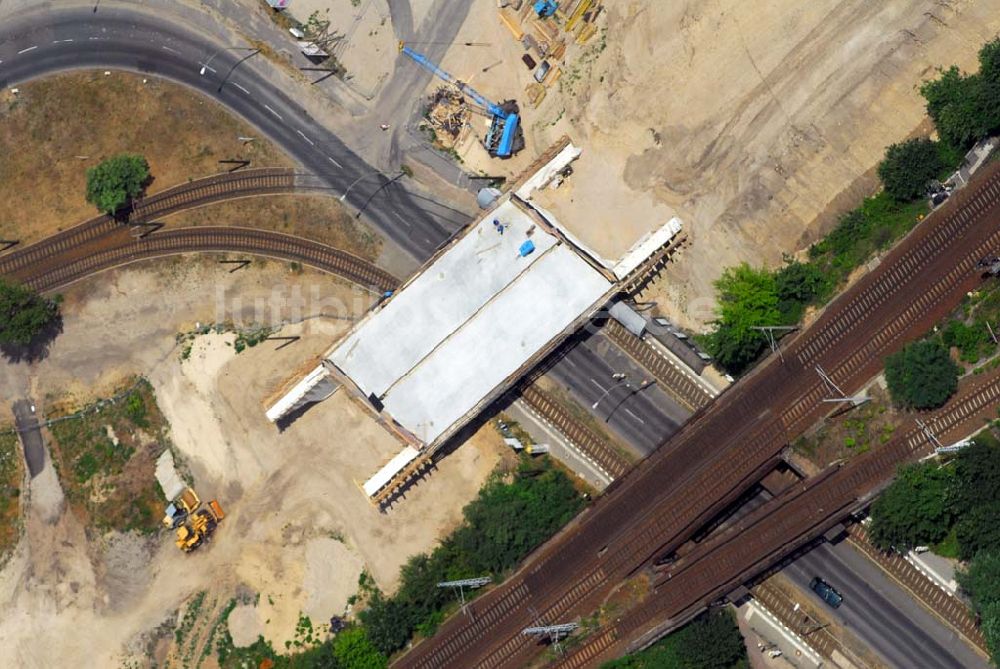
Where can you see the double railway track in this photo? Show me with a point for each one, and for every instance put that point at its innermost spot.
(735, 441)
(777, 528)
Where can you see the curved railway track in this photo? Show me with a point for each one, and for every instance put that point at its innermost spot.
(733, 442)
(214, 239)
(76, 241)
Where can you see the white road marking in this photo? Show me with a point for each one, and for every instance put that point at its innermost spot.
(302, 135)
(167, 48)
(61, 41)
(94, 38)
(30, 48)
(272, 111)
(597, 384)
(210, 69)
(335, 162)
(629, 412)
(404, 221)
(240, 87)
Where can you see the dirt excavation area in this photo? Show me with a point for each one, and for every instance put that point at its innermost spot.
(298, 532)
(754, 122)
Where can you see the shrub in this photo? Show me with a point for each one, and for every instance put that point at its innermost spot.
(908, 167)
(921, 376)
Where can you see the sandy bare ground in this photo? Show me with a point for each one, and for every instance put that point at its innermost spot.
(756, 123)
(298, 530)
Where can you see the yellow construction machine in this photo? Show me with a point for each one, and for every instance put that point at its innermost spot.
(199, 526)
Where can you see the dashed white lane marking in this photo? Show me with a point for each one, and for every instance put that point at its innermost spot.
(94, 38)
(167, 48)
(597, 384)
(30, 48)
(273, 112)
(335, 162)
(302, 135)
(404, 221)
(61, 41)
(241, 88)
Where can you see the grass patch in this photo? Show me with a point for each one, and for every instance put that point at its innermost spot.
(106, 460)
(11, 476)
(947, 547)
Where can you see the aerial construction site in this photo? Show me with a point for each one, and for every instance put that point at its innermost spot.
(562, 333)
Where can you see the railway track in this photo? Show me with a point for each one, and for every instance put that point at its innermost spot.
(213, 239)
(737, 439)
(722, 563)
(593, 445)
(76, 242)
(670, 378)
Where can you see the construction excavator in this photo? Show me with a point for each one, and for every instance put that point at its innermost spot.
(199, 524)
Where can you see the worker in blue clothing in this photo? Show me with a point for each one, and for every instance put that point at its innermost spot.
(498, 225)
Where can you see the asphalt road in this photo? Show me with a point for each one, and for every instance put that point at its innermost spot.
(36, 44)
(53, 39)
(26, 423)
(643, 418)
(881, 613)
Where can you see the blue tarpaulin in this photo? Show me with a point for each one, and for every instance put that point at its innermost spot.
(526, 248)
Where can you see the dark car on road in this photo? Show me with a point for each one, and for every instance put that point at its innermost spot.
(826, 592)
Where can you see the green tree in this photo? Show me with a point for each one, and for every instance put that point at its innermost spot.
(915, 509)
(953, 105)
(921, 376)
(354, 650)
(712, 641)
(797, 284)
(747, 298)
(24, 314)
(981, 579)
(116, 181)
(908, 167)
(989, 624)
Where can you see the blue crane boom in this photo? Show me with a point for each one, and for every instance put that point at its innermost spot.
(503, 138)
(478, 98)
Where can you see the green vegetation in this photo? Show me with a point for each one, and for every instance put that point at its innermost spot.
(750, 297)
(908, 167)
(114, 182)
(24, 314)
(711, 641)
(502, 525)
(914, 510)
(922, 375)
(353, 650)
(106, 458)
(954, 506)
(11, 475)
(349, 649)
(957, 502)
(966, 107)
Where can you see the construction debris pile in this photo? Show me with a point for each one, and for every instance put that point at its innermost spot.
(447, 115)
(543, 27)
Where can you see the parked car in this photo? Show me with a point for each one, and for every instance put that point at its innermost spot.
(826, 592)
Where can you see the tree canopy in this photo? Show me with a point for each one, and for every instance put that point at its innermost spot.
(966, 107)
(921, 376)
(23, 313)
(710, 641)
(908, 167)
(914, 509)
(114, 182)
(353, 650)
(748, 298)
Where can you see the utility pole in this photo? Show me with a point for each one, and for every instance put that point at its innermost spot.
(460, 585)
(769, 331)
(838, 395)
(553, 632)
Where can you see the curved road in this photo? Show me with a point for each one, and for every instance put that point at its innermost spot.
(40, 43)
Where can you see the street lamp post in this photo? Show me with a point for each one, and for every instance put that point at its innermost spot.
(207, 64)
(622, 381)
(355, 183)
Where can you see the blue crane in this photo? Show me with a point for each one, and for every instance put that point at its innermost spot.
(505, 137)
